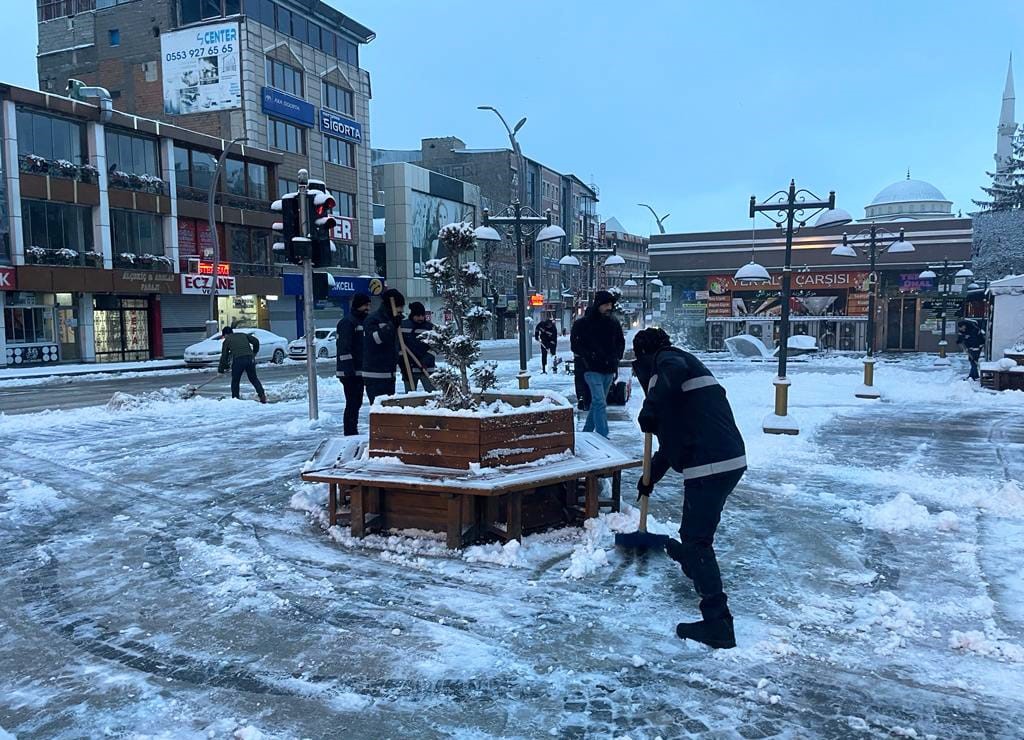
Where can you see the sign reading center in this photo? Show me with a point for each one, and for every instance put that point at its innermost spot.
(203, 284)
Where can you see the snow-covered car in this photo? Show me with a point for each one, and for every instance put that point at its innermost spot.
(273, 348)
(325, 342)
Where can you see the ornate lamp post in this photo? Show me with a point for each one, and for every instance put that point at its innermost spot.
(869, 244)
(787, 208)
(521, 222)
(946, 283)
(644, 279)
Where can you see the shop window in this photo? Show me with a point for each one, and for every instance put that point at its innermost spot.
(286, 137)
(337, 98)
(56, 233)
(340, 152)
(29, 325)
(49, 137)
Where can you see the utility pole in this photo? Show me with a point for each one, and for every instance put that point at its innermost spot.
(305, 237)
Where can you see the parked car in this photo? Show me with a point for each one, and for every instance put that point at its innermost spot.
(273, 348)
(325, 341)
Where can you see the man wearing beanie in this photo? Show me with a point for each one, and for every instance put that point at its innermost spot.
(350, 360)
(380, 345)
(421, 360)
(687, 409)
(598, 343)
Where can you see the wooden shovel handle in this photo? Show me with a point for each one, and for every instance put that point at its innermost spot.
(401, 343)
(648, 450)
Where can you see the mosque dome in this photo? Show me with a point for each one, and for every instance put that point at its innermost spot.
(909, 199)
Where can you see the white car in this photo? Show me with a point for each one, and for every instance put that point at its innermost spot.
(273, 348)
(324, 340)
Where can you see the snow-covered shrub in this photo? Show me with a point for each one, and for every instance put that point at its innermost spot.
(455, 342)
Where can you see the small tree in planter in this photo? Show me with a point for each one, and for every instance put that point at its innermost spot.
(456, 341)
(93, 259)
(35, 255)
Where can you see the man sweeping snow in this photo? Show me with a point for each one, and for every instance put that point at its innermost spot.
(687, 410)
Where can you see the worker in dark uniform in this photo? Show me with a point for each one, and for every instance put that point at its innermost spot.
(349, 362)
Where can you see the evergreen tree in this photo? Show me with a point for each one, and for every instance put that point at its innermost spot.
(456, 341)
(1006, 192)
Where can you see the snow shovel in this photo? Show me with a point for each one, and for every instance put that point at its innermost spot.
(642, 540)
(192, 390)
(401, 344)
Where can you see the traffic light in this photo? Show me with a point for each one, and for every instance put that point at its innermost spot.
(288, 227)
(321, 229)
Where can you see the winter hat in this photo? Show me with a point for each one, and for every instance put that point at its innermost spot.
(417, 309)
(390, 293)
(649, 341)
(359, 300)
(602, 297)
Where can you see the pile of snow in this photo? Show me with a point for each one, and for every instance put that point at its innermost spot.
(981, 643)
(23, 500)
(128, 402)
(903, 514)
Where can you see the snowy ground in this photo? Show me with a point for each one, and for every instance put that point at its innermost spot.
(167, 576)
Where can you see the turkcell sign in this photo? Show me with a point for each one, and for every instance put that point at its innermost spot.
(288, 107)
(335, 124)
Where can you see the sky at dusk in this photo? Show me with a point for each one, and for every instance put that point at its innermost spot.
(690, 106)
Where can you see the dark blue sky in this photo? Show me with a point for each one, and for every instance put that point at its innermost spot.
(690, 106)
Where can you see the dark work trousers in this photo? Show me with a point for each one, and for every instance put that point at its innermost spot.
(379, 387)
(974, 355)
(703, 500)
(544, 352)
(353, 402)
(582, 389)
(418, 378)
(247, 365)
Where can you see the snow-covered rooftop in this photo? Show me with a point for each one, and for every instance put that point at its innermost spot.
(906, 191)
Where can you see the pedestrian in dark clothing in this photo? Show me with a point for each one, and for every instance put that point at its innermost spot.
(972, 338)
(598, 343)
(350, 360)
(413, 329)
(380, 345)
(697, 436)
(547, 334)
(238, 351)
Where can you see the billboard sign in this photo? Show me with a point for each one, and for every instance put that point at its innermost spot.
(201, 69)
(288, 107)
(337, 125)
(203, 284)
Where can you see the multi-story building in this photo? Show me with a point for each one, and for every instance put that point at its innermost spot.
(283, 73)
(496, 172)
(105, 242)
(633, 249)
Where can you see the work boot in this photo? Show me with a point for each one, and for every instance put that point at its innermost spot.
(263, 398)
(715, 633)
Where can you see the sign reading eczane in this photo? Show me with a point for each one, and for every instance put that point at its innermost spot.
(335, 124)
(201, 69)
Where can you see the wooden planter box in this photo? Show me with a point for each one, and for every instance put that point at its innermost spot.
(1002, 380)
(490, 441)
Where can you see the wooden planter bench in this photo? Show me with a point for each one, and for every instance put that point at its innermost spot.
(468, 506)
(1002, 380)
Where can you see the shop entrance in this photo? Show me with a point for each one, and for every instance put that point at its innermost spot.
(122, 329)
(901, 324)
(243, 310)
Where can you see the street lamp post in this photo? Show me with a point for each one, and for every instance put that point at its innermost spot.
(644, 279)
(900, 245)
(212, 324)
(946, 283)
(523, 222)
(789, 207)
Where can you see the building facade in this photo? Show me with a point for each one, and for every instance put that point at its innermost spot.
(106, 251)
(634, 250)
(283, 73)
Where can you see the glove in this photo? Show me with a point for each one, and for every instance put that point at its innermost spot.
(397, 318)
(643, 489)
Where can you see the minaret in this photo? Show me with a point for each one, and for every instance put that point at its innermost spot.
(1007, 126)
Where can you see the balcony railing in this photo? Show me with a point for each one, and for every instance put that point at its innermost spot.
(139, 183)
(152, 262)
(62, 257)
(33, 164)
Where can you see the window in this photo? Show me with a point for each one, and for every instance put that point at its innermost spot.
(114, 37)
(54, 226)
(136, 232)
(29, 325)
(181, 167)
(286, 137)
(337, 98)
(258, 179)
(203, 165)
(247, 179)
(329, 43)
(135, 155)
(299, 25)
(313, 36)
(261, 10)
(49, 137)
(234, 176)
(284, 77)
(348, 52)
(340, 152)
(283, 20)
(250, 247)
(284, 185)
(193, 11)
(346, 204)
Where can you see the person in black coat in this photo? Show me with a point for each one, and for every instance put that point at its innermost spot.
(972, 338)
(686, 408)
(413, 329)
(349, 361)
(598, 343)
(380, 345)
(547, 334)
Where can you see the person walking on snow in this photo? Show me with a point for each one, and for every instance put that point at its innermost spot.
(598, 342)
(547, 334)
(349, 361)
(380, 345)
(972, 338)
(238, 351)
(687, 410)
(412, 330)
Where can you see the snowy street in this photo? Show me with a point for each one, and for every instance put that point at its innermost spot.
(167, 575)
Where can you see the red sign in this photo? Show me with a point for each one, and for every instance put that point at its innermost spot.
(536, 300)
(7, 281)
(832, 280)
(206, 268)
(195, 238)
